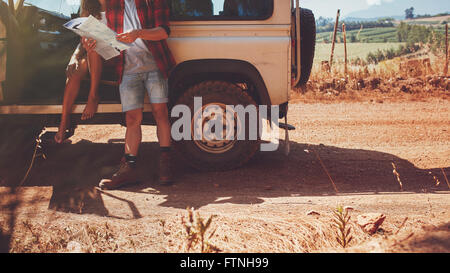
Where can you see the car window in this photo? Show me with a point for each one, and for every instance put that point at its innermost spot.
(221, 9)
(65, 7)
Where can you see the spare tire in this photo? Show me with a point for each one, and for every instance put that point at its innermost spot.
(307, 44)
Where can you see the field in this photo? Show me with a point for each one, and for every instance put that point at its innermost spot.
(384, 34)
(428, 21)
(370, 35)
(355, 50)
(276, 203)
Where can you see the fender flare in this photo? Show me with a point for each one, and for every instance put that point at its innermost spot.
(213, 69)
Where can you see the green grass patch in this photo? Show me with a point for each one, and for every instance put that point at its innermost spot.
(370, 35)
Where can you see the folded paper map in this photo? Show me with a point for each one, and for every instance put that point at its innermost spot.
(107, 45)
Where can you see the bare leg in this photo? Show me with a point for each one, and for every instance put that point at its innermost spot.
(133, 136)
(95, 68)
(70, 94)
(161, 114)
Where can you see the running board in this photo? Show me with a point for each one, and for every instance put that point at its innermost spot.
(57, 109)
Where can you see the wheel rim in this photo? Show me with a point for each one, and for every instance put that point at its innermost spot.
(210, 142)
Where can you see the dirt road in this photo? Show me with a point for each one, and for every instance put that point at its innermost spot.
(262, 207)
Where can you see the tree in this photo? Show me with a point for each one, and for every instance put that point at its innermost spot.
(409, 13)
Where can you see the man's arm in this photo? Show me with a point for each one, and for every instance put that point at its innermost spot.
(161, 31)
(154, 34)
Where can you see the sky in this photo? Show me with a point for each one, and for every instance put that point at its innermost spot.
(328, 8)
(325, 8)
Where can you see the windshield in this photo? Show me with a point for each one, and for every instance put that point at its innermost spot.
(221, 9)
(66, 7)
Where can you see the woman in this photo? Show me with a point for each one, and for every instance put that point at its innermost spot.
(82, 63)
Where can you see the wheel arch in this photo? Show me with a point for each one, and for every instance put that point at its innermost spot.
(189, 73)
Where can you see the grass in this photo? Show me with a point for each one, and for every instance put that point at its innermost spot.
(399, 79)
(342, 224)
(329, 231)
(355, 50)
(197, 234)
(370, 35)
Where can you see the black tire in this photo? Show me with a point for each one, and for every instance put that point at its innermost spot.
(308, 43)
(240, 152)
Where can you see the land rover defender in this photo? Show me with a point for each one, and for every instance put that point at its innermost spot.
(228, 52)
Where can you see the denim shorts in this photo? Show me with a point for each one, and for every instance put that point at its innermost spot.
(133, 87)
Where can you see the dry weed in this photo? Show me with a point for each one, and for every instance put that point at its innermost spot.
(197, 232)
(342, 221)
(414, 77)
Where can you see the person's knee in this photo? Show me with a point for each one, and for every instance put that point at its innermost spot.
(76, 76)
(134, 118)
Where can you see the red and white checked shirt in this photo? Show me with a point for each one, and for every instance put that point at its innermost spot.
(152, 14)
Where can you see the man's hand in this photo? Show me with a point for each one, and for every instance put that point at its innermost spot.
(89, 44)
(128, 37)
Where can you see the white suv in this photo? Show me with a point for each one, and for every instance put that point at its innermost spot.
(228, 52)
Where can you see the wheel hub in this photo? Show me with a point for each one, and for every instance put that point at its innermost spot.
(204, 126)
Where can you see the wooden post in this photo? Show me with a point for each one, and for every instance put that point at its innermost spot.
(334, 37)
(345, 49)
(446, 50)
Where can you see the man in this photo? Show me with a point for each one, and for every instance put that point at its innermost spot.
(145, 66)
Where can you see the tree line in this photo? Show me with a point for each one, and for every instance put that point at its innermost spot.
(327, 24)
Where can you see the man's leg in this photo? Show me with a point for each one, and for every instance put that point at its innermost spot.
(159, 96)
(132, 93)
(161, 115)
(133, 136)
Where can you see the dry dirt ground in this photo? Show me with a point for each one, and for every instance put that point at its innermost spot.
(263, 206)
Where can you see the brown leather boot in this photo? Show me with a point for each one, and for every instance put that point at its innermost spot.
(165, 170)
(125, 176)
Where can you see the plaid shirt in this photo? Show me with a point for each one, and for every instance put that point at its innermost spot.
(152, 14)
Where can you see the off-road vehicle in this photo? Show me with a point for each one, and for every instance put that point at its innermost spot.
(229, 52)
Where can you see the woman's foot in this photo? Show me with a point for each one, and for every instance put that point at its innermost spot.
(61, 136)
(63, 133)
(91, 108)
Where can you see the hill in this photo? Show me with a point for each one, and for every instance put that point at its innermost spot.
(397, 8)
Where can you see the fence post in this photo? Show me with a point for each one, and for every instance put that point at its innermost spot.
(446, 50)
(345, 49)
(334, 37)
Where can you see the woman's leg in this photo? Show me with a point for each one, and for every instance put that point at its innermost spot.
(95, 65)
(70, 94)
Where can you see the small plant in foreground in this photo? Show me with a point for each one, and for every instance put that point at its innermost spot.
(196, 230)
(342, 220)
(397, 175)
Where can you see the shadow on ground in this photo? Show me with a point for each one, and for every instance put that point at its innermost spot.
(74, 170)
